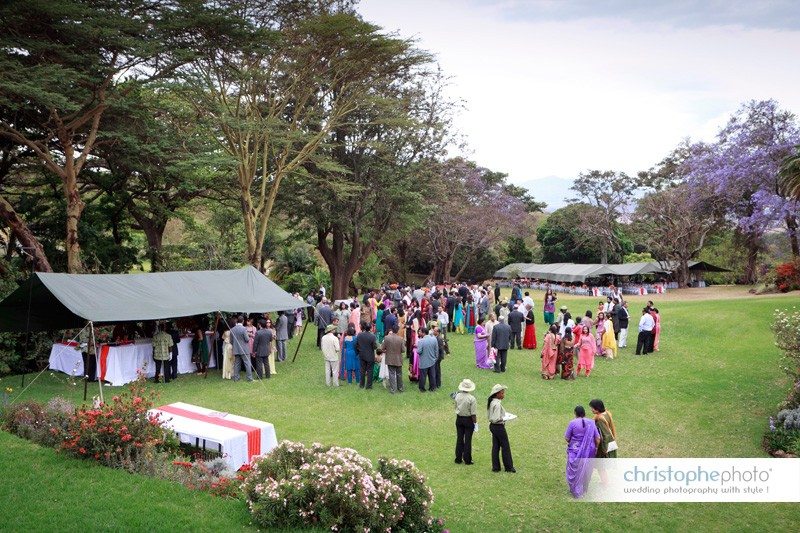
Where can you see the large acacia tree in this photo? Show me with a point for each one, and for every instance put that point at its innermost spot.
(276, 87)
(156, 161)
(610, 196)
(367, 191)
(63, 63)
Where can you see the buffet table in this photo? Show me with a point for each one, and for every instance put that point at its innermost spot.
(67, 358)
(238, 439)
(121, 364)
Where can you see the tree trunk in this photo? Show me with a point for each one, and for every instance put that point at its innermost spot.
(25, 237)
(604, 254)
(447, 266)
(753, 247)
(154, 232)
(75, 208)
(683, 273)
(791, 225)
(340, 279)
(341, 268)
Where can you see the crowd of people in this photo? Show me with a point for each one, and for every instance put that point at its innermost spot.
(417, 320)
(404, 330)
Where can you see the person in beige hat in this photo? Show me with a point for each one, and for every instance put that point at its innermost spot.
(466, 421)
(497, 426)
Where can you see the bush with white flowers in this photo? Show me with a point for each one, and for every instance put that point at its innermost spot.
(787, 338)
(335, 488)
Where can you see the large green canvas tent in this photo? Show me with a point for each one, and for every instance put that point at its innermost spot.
(61, 301)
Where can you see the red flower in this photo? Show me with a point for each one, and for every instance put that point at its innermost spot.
(82, 450)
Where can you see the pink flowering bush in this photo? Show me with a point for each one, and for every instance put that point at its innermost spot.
(295, 486)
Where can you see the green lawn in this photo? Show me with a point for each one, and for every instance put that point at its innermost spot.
(707, 393)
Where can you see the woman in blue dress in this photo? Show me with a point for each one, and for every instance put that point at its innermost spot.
(458, 318)
(352, 366)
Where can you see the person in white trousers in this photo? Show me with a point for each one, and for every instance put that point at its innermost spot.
(331, 350)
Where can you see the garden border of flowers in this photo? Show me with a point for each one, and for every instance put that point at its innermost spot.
(782, 438)
(293, 486)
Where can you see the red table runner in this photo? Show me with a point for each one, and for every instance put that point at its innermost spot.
(103, 360)
(253, 433)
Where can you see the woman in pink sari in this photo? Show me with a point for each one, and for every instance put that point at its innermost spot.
(586, 351)
(657, 329)
(550, 353)
(355, 317)
(600, 328)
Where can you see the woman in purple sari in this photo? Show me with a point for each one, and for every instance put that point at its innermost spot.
(582, 441)
(482, 346)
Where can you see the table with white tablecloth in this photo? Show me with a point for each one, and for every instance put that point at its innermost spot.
(239, 439)
(66, 358)
(121, 364)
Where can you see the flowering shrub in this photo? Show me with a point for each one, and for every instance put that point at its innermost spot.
(116, 433)
(785, 436)
(780, 439)
(419, 497)
(210, 476)
(787, 276)
(23, 419)
(787, 338)
(335, 488)
(43, 424)
(789, 418)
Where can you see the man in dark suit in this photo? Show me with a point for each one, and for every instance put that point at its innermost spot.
(515, 321)
(450, 307)
(497, 292)
(390, 320)
(240, 341)
(463, 292)
(366, 344)
(501, 340)
(324, 316)
(393, 347)
(176, 338)
(261, 347)
(443, 350)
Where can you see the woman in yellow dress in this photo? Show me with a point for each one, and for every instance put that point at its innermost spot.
(227, 352)
(609, 341)
(271, 357)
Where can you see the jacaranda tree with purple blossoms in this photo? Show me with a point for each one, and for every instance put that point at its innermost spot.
(742, 170)
(470, 208)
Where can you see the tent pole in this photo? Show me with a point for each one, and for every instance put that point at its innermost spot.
(86, 372)
(28, 322)
(97, 365)
(299, 342)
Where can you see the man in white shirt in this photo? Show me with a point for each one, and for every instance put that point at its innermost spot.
(644, 344)
(527, 300)
(331, 350)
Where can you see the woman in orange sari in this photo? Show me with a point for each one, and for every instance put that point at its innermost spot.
(550, 353)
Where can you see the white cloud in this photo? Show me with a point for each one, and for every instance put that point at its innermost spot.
(555, 97)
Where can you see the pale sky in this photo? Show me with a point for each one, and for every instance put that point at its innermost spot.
(552, 88)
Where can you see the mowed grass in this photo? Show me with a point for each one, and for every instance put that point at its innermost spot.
(707, 393)
(42, 490)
